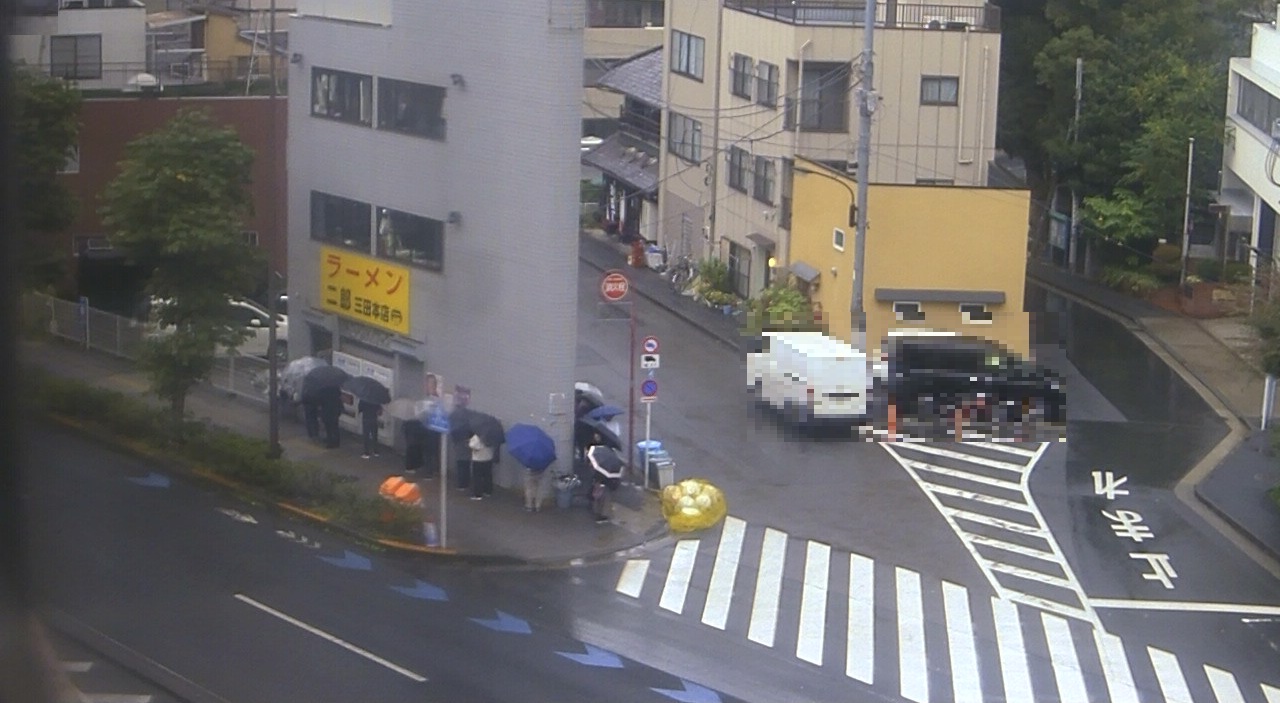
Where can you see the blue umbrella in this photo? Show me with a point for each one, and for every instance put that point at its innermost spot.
(531, 446)
(605, 412)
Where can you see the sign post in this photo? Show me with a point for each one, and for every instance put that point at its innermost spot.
(614, 286)
(649, 392)
(438, 421)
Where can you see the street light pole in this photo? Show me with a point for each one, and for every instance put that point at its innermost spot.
(273, 383)
(866, 107)
(1186, 214)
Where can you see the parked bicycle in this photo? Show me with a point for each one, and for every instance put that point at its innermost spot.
(682, 273)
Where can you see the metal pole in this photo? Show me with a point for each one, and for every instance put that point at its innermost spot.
(713, 159)
(866, 106)
(1186, 213)
(648, 425)
(273, 382)
(1073, 238)
(444, 489)
(631, 395)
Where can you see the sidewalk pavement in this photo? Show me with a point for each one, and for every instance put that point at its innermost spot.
(1221, 356)
(494, 528)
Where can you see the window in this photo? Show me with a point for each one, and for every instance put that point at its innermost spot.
(908, 312)
(686, 54)
(338, 95)
(1256, 106)
(740, 72)
(411, 108)
(739, 168)
(767, 84)
(975, 314)
(765, 179)
(412, 238)
(823, 105)
(837, 239)
(250, 237)
(685, 137)
(76, 56)
(788, 182)
(935, 181)
(624, 13)
(939, 90)
(740, 269)
(341, 221)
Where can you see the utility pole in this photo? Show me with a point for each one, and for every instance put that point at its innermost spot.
(866, 108)
(1186, 214)
(714, 159)
(273, 383)
(1073, 244)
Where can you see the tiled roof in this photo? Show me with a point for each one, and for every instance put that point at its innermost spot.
(639, 76)
(626, 159)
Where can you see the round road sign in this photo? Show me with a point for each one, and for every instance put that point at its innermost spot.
(650, 345)
(649, 388)
(614, 286)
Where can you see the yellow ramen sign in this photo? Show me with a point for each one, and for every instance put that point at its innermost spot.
(367, 290)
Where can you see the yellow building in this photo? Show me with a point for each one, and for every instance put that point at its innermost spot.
(947, 258)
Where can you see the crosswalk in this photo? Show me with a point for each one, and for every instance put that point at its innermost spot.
(77, 670)
(895, 629)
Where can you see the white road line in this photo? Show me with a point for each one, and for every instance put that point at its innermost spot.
(764, 609)
(997, 522)
(1013, 653)
(965, 475)
(677, 585)
(913, 669)
(1115, 666)
(935, 450)
(114, 698)
(1186, 606)
(1169, 674)
(859, 658)
(1066, 665)
(966, 682)
(978, 497)
(1007, 448)
(1224, 685)
(336, 640)
(77, 667)
(716, 612)
(1014, 548)
(813, 603)
(631, 580)
(1272, 693)
(1030, 575)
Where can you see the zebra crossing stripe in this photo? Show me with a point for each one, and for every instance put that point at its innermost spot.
(1115, 667)
(997, 522)
(1030, 575)
(1169, 675)
(1006, 448)
(970, 458)
(1014, 548)
(966, 682)
(977, 497)
(859, 658)
(813, 603)
(677, 586)
(1066, 665)
(1272, 693)
(764, 609)
(965, 475)
(716, 611)
(631, 581)
(1224, 685)
(76, 667)
(1013, 654)
(913, 670)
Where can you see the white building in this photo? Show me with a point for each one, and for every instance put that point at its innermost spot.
(99, 44)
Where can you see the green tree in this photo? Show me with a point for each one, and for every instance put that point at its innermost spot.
(46, 125)
(177, 207)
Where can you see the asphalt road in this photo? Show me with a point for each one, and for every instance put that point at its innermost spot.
(255, 608)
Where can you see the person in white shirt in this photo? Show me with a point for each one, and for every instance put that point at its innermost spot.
(481, 468)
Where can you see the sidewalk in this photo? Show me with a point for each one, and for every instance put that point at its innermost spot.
(1220, 355)
(497, 527)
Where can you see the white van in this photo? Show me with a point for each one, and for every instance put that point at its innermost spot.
(256, 322)
(810, 377)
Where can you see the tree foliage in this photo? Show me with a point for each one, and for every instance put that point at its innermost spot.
(177, 207)
(781, 307)
(46, 126)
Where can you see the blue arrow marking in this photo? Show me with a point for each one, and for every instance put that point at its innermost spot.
(594, 657)
(692, 693)
(505, 622)
(423, 591)
(350, 560)
(152, 480)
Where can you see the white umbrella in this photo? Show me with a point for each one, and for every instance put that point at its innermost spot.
(292, 374)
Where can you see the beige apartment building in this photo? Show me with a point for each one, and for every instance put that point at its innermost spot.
(616, 30)
(751, 84)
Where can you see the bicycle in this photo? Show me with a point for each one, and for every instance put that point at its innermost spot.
(681, 273)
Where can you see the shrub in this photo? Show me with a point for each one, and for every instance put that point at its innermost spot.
(1132, 282)
(1166, 263)
(1208, 270)
(713, 275)
(1238, 272)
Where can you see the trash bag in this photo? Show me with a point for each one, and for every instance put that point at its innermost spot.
(693, 504)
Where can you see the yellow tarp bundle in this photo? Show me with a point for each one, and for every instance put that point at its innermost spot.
(693, 504)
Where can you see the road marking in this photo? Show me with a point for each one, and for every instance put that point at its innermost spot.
(1014, 548)
(1062, 654)
(978, 497)
(966, 682)
(77, 667)
(1272, 694)
(813, 603)
(913, 670)
(1169, 674)
(1115, 667)
(1008, 449)
(764, 609)
(1002, 524)
(115, 698)
(1013, 653)
(677, 586)
(1185, 606)
(859, 659)
(334, 639)
(965, 475)
(962, 456)
(1224, 685)
(1031, 575)
(631, 581)
(716, 612)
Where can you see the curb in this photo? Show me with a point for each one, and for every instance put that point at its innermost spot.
(1240, 528)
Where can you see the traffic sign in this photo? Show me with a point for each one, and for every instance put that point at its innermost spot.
(650, 345)
(614, 286)
(648, 391)
(648, 361)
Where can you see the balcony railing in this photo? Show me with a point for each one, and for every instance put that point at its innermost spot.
(889, 14)
(222, 77)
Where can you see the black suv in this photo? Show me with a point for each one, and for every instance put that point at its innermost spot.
(927, 375)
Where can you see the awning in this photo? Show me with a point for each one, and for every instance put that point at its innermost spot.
(764, 242)
(804, 271)
(921, 295)
(627, 161)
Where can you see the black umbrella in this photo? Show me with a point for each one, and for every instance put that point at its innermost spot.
(605, 462)
(368, 389)
(489, 429)
(584, 429)
(460, 424)
(321, 379)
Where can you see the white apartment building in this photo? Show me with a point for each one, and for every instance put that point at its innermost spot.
(99, 44)
(753, 83)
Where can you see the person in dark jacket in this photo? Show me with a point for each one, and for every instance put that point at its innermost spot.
(311, 417)
(330, 411)
(369, 414)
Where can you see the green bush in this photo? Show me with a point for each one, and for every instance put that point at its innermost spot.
(1208, 270)
(1128, 281)
(1238, 272)
(1166, 263)
(713, 275)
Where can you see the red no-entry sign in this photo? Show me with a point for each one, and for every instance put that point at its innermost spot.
(614, 286)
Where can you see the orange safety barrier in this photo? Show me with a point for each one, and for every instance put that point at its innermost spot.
(402, 491)
(389, 486)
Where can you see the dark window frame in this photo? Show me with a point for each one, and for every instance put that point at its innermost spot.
(342, 87)
(688, 54)
(787, 187)
(768, 77)
(741, 75)
(397, 98)
(78, 66)
(823, 99)
(393, 240)
(983, 315)
(940, 91)
(764, 179)
(624, 13)
(739, 168)
(333, 215)
(684, 137)
(916, 314)
(1256, 106)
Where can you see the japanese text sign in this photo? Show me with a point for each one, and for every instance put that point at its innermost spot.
(364, 289)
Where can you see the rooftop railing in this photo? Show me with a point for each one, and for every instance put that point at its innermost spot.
(889, 14)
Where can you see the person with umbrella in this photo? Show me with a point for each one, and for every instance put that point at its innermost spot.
(536, 451)
(606, 475)
(321, 396)
(372, 395)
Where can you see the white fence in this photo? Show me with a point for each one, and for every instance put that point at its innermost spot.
(244, 376)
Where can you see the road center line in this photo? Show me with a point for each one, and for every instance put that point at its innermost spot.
(1185, 606)
(336, 640)
(813, 603)
(720, 592)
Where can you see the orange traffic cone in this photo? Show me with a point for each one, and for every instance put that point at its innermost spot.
(893, 421)
(408, 493)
